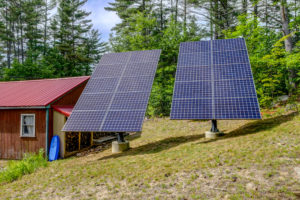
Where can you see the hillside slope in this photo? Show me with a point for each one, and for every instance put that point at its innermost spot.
(173, 160)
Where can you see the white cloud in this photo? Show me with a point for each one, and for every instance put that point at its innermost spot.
(102, 20)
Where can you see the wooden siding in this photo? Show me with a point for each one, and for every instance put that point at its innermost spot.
(71, 97)
(12, 146)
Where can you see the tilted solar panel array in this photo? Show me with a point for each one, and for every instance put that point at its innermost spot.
(214, 81)
(116, 97)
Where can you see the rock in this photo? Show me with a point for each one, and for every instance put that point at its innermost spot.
(234, 178)
(251, 187)
(297, 170)
(283, 98)
(297, 194)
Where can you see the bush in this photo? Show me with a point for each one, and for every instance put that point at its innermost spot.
(29, 164)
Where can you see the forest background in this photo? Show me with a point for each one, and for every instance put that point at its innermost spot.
(54, 38)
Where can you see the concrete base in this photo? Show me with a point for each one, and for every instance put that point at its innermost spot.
(213, 135)
(119, 147)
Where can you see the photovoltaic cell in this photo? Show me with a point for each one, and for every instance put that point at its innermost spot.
(116, 97)
(84, 120)
(194, 59)
(192, 47)
(231, 71)
(109, 71)
(195, 73)
(197, 89)
(191, 109)
(100, 85)
(214, 81)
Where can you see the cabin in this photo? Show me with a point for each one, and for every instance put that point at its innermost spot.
(32, 111)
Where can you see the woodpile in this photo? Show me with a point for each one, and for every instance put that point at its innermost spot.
(72, 141)
(76, 141)
(85, 140)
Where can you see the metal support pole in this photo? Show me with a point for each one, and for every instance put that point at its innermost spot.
(120, 137)
(214, 126)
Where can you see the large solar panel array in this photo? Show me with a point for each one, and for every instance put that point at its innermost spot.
(214, 81)
(116, 96)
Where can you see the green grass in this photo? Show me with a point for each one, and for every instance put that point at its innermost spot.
(16, 169)
(173, 160)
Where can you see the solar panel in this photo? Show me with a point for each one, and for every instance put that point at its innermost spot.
(116, 96)
(214, 81)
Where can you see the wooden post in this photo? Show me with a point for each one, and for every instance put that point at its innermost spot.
(79, 141)
(64, 143)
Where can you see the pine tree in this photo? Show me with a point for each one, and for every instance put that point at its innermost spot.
(72, 27)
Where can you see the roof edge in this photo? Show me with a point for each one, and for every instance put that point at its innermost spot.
(45, 79)
(21, 107)
(66, 93)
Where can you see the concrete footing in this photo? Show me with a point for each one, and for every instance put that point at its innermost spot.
(118, 147)
(213, 135)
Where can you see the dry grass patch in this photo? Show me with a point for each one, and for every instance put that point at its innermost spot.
(173, 160)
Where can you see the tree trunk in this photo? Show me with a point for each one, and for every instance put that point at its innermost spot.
(245, 6)
(176, 11)
(285, 25)
(184, 15)
(45, 26)
(217, 19)
(211, 20)
(8, 42)
(161, 16)
(288, 43)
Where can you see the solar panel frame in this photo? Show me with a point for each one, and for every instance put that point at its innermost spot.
(120, 93)
(232, 61)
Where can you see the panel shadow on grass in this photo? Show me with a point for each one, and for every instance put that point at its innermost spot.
(256, 126)
(250, 128)
(157, 146)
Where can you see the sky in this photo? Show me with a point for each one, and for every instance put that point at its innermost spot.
(102, 20)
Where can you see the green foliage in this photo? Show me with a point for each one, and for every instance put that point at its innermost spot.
(28, 70)
(269, 61)
(34, 43)
(29, 164)
(141, 34)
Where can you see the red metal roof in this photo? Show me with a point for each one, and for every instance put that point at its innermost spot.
(65, 110)
(36, 92)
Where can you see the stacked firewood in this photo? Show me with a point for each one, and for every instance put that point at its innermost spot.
(85, 140)
(72, 141)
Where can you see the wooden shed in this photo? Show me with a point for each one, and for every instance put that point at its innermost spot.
(30, 112)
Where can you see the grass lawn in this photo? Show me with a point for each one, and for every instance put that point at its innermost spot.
(173, 160)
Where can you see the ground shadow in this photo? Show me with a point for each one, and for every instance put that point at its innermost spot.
(256, 126)
(158, 146)
(250, 128)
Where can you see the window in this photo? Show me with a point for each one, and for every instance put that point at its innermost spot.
(27, 125)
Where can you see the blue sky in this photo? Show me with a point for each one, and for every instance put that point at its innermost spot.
(101, 19)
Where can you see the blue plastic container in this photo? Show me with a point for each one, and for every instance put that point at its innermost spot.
(54, 148)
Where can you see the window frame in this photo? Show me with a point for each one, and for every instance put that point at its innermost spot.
(21, 127)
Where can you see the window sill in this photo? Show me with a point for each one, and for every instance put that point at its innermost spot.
(27, 136)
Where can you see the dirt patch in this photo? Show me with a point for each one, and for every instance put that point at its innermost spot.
(95, 149)
(3, 164)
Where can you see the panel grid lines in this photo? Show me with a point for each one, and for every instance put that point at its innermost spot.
(227, 69)
(116, 96)
(212, 83)
(114, 93)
